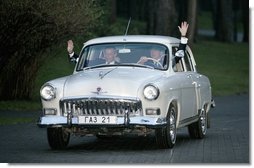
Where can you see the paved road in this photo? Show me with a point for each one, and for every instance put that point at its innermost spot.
(227, 141)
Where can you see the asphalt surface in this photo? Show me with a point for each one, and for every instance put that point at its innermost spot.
(227, 141)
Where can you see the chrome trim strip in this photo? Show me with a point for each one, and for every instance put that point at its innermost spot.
(188, 120)
(60, 120)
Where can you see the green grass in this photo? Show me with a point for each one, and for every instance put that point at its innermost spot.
(56, 64)
(226, 65)
(17, 105)
(15, 120)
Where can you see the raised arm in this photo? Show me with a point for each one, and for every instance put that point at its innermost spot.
(183, 29)
(71, 55)
(181, 50)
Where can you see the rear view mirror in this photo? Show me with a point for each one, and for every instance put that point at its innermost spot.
(124, 51)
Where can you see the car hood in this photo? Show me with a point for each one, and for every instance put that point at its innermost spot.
(110, 81)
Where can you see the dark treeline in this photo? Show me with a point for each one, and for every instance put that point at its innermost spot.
(163, 16)
(28, 27)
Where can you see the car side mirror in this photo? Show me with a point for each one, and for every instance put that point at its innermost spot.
(179, 53)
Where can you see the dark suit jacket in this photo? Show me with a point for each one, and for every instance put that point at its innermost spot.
(181, 47)
(73, 58)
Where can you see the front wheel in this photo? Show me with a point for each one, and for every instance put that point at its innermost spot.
(166, 136)
(58, 138)
(198, 129)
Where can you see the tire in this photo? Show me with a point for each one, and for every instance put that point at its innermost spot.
(105, 137)
(166, 136)
(198, 129)
(58, 138)
(208, 120)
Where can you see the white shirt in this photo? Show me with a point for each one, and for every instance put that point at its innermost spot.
(110, 63)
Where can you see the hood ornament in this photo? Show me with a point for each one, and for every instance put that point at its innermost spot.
(98, 91)
(102, 74)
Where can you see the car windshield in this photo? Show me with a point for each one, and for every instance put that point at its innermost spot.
(147, 55)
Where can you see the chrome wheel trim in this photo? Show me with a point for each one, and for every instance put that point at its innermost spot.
(203, 120)
(172, 126)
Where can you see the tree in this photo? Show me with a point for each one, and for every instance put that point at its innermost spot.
(223, 20)
(22, 37)
(162, 18)
(192, 20)
(27, 28)
(245, 19)
(113, 10)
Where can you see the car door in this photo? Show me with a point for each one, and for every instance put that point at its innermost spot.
(190, 67)
(186, 72)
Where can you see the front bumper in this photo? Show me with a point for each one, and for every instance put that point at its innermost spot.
(54, 121)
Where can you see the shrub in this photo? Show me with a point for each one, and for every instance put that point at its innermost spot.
(30, 26)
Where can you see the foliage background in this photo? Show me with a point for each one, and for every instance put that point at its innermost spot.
(30, 27)
(33, 35)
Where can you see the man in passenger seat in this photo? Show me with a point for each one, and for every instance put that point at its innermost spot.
(178, 54)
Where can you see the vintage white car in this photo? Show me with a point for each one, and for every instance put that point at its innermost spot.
(127, 97)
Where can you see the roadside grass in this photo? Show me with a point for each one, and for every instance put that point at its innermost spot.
(226, 65)
(55, 65)
(20, 105)
(15, 120)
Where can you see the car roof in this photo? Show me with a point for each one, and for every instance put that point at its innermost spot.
(134, 38)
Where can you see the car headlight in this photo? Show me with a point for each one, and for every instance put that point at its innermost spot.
(151, 92)
(48, 92)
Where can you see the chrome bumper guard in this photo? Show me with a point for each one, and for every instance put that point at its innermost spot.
(213, 105)
(49, 121)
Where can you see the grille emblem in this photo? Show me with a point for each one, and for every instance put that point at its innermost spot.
(98, 91)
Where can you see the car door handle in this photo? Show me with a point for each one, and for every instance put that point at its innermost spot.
(198, 76)
(196, 84)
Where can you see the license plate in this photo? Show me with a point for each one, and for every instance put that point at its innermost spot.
(97, 119)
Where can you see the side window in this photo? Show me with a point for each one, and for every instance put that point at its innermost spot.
(185, 64)
(177, 67)
(187, 61)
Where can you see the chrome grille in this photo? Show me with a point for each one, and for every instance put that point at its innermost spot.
(100, 106)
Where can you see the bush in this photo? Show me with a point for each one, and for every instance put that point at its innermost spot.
(27, 28)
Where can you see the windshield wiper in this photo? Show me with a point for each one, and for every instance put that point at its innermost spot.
(138, 65)
(103, 75)
(117, 65)
(98, 66)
